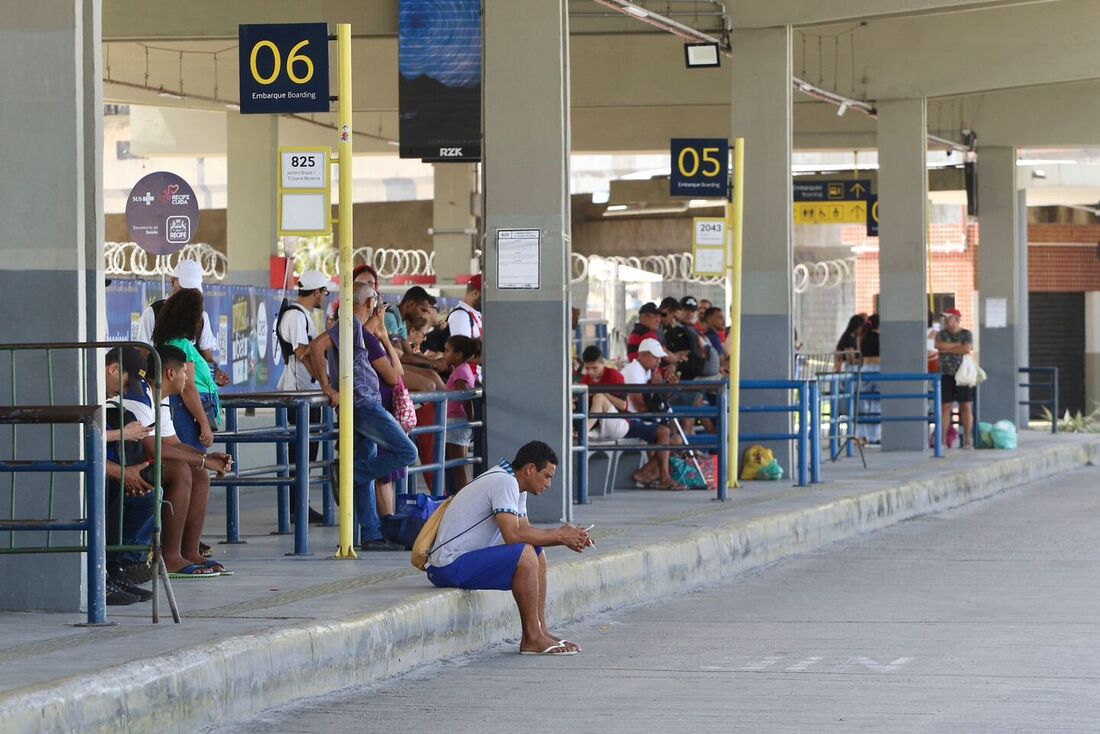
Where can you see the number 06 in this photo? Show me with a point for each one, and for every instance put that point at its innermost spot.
(293, 58)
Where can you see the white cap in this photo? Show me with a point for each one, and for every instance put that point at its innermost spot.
(189, 274)
(311, 280)
(652, 346)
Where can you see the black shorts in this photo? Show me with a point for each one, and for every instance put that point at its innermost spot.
(953, 393)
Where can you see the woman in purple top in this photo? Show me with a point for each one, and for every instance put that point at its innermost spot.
(390, 372)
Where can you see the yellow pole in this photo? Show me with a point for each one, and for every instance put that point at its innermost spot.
(347, 338)
(735, 217)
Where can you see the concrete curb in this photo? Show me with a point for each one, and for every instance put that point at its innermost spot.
(238, 677)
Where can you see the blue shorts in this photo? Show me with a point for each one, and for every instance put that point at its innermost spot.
(644, 430)
(489, 568)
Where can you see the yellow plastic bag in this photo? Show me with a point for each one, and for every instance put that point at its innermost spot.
(756, 458)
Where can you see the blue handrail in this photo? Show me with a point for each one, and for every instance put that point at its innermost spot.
(1051, 384)
(440, 429)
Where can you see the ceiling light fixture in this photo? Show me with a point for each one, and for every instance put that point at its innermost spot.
(636, 11)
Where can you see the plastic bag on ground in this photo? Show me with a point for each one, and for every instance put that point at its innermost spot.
(756, 458)
(772, 471)
(985, 435)
(1004, 435)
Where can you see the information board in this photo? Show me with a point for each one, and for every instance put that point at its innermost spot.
(283, 68)
(304, 192)
(709, 246)
(700, 167)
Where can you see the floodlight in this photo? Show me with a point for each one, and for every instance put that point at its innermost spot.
(702, 55)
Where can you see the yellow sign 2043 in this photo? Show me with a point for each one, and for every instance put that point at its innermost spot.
(830, 212)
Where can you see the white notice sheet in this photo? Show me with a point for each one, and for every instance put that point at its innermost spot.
(996, 313)
(518, 259)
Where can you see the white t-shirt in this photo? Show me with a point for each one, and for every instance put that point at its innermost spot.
(206, 338)
(143, 412)
(298, 330)
(635, 374)
(465, 321)
(493, 492)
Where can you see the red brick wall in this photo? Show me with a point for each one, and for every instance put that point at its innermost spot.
(1067, 268)
(1051, 268)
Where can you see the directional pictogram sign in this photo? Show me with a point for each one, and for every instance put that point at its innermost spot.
(831, 202)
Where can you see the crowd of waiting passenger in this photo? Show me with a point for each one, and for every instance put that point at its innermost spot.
(406, 347)
(673, 342)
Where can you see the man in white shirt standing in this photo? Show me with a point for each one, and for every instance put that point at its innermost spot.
(485, 541)
(465, 319)
(296, 328)
(188, 274)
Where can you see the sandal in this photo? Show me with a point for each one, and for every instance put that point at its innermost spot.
(222, 570)
(556, 649)
(670, 487)
(194, 571)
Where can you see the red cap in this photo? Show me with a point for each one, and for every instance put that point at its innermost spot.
(953, 312)
(474, 283)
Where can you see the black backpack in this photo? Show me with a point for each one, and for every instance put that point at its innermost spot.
(284, 346)
(437, 339)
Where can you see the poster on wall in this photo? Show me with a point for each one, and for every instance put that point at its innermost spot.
(439, 86)
(240, 317)
(162, 213)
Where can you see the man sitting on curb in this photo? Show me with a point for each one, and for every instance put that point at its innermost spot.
(485, 541)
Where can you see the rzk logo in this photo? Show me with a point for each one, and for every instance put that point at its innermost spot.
(147, 200)
(170, 196)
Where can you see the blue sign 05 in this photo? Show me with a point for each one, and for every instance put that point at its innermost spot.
(284, 68)
(700, 167)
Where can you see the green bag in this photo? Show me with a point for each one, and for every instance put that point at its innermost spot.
(772, 471)
(1004, 435)
(685, 473)
(985, 435)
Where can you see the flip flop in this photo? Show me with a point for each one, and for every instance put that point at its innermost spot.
(566, 642)
(194, 571)
(674, 487)
(550, 651)
(222, 570)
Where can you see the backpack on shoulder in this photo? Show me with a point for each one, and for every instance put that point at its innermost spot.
(436, 340)
(286, 347)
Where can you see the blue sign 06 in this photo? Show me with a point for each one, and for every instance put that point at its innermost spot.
(700, 167)
(284, 68)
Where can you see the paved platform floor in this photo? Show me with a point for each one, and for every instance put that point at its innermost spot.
(271, 590)
(979, 619)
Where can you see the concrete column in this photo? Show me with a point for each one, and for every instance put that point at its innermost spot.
(1092, 350)
(454, 223)
(903, 299)
(762, 113)
(526, 185)
(51, 283)
(999, 280)
(251, 228)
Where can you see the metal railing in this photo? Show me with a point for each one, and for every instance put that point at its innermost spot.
(578, 451)
(92, 464)
(933, 393)
(278, 475)
(803, 432)
(1052, 385)
(440, 429)
(717, 442)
